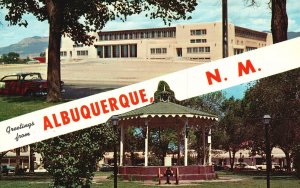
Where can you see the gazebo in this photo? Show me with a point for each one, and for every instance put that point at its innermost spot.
(166, 114)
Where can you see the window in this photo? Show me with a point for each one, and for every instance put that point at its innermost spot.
(198, 50)
(250, 48)
(198, 32)
(152, 50)
(63, 53)
(82, 53)
(207, 49)
(198, 41)
(116, 51)
(158, 51)
(238, 51)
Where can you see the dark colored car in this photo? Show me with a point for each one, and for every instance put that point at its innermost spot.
(106, 168)
(25, 84)
(6, 169)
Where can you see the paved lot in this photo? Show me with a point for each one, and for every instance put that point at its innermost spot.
(84, 78)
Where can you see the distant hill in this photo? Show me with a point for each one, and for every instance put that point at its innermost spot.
(293, 35)
(32, 46)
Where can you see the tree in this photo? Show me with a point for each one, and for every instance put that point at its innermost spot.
(71, 159)
(211, 103)
(2, 154)
(232, 129)
(10, 58)
(161, 142)
(134, 142)
(277, 96)
(73, 19)
(279, 20)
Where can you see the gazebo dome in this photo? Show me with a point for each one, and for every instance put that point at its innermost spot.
(167, 109)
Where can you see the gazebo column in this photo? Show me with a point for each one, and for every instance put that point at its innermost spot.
(209, 147)
(146, 143)
(186, 144)
(121, 145)
(204, 145)
(178, 141)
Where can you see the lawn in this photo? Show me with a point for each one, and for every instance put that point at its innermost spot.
(14, 106)
(247, 182)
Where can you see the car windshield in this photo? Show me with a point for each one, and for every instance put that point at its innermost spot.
(34, 76)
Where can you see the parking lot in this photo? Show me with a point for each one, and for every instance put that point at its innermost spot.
(84, 78)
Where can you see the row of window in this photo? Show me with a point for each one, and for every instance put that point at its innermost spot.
(198, 50)
(82, 53)
(238, 51)
(63, 53)
(198, 32)
(158, 50)
(138, 35)
(117, 51)
(198, 40)
(250, 48)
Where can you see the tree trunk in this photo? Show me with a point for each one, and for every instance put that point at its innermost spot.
(17, 168)
(279, 22)
(55, 12)
(231, 159)
(288, 161)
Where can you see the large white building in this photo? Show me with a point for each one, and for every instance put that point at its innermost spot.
(201, 42)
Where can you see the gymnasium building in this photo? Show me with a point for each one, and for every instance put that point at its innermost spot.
(199, 41)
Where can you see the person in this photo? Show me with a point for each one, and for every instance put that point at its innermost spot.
(168, 174)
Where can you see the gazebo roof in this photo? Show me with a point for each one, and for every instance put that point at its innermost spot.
(166, 109)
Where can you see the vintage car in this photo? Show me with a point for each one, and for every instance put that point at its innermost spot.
(26, 84)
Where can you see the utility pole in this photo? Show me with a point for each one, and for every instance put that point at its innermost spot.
(225, 28)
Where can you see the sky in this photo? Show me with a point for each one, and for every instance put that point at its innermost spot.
(255, 17)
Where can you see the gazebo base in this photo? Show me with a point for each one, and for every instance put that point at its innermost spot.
(141, 173)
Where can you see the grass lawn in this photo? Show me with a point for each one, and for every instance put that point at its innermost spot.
(247, 182)
(14, 106)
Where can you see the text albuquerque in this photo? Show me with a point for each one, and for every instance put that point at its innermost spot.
(95, 109)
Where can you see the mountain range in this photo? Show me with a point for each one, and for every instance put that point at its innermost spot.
(33, 46)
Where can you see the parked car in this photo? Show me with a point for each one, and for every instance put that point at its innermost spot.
(106, 168)
(244, 166)
(34, 61)
(241, 166)
(25, 84)
(6, 169)
(263, 166)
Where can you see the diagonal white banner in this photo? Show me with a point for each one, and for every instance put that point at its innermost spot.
(93, 110)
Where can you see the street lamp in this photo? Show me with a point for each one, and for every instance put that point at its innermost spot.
(115, 121)
(266, 121)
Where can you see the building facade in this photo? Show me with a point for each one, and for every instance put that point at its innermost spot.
(200, 42)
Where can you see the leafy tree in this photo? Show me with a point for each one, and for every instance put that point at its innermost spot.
(211, 103)
(134, 141)
(71, 159)
(10, 58)
(2, 154)
(73, 19)
(277, 96)
(161, 142)
(233, 132)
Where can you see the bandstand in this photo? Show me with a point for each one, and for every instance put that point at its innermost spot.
(165, 114)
